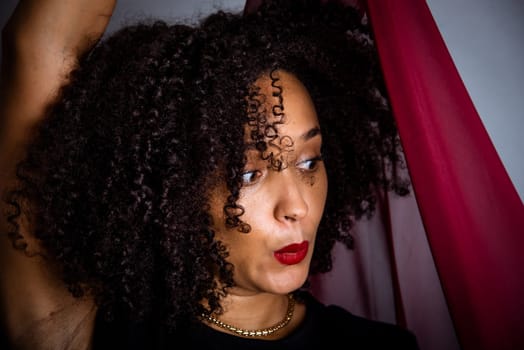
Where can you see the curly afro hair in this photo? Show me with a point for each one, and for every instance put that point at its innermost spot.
(119, 173)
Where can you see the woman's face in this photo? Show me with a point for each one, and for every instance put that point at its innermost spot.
(283, 207)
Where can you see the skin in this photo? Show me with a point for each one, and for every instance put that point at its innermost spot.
(282, 207)
(41, 44)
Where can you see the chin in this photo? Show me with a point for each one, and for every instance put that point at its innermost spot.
(291, 280)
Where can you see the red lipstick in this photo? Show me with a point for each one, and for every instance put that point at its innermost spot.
(292, 254)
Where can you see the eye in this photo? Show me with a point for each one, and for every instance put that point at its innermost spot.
(310, 164)
(250, 177)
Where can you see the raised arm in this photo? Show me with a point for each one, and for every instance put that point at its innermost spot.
(42, 42)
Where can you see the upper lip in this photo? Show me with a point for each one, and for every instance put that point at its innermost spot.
(293, 248)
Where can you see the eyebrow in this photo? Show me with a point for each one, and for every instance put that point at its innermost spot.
(310, 133)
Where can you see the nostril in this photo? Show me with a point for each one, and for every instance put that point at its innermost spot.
(290, 217)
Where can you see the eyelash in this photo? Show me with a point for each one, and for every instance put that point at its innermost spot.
(250, 173)
(251, 176)
(314, 161)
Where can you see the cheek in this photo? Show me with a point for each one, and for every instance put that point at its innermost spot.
(216, 210)
(319, 192)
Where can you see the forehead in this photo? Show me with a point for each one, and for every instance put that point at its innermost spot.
(284, 92)
(281, 118)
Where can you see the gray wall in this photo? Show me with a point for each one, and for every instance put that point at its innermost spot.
(171, 10)
(484, 38)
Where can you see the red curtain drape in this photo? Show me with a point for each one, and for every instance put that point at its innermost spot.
(474, 218)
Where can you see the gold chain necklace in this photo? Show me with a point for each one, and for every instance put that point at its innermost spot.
(257, 332)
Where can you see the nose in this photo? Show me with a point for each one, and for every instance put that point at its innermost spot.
(291, 205)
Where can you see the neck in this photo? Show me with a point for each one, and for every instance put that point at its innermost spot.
(38, 312)
(258, 312)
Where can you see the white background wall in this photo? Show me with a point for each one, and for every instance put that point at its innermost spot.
(485, 39)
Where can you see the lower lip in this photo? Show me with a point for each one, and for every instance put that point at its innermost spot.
(292, 255)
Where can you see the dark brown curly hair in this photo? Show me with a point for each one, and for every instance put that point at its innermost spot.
(119, 173)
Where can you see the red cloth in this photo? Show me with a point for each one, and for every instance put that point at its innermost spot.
(473, 216)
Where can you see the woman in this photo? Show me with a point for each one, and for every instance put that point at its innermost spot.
(182, 177)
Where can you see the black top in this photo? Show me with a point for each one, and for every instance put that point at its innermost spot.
(322, 327)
